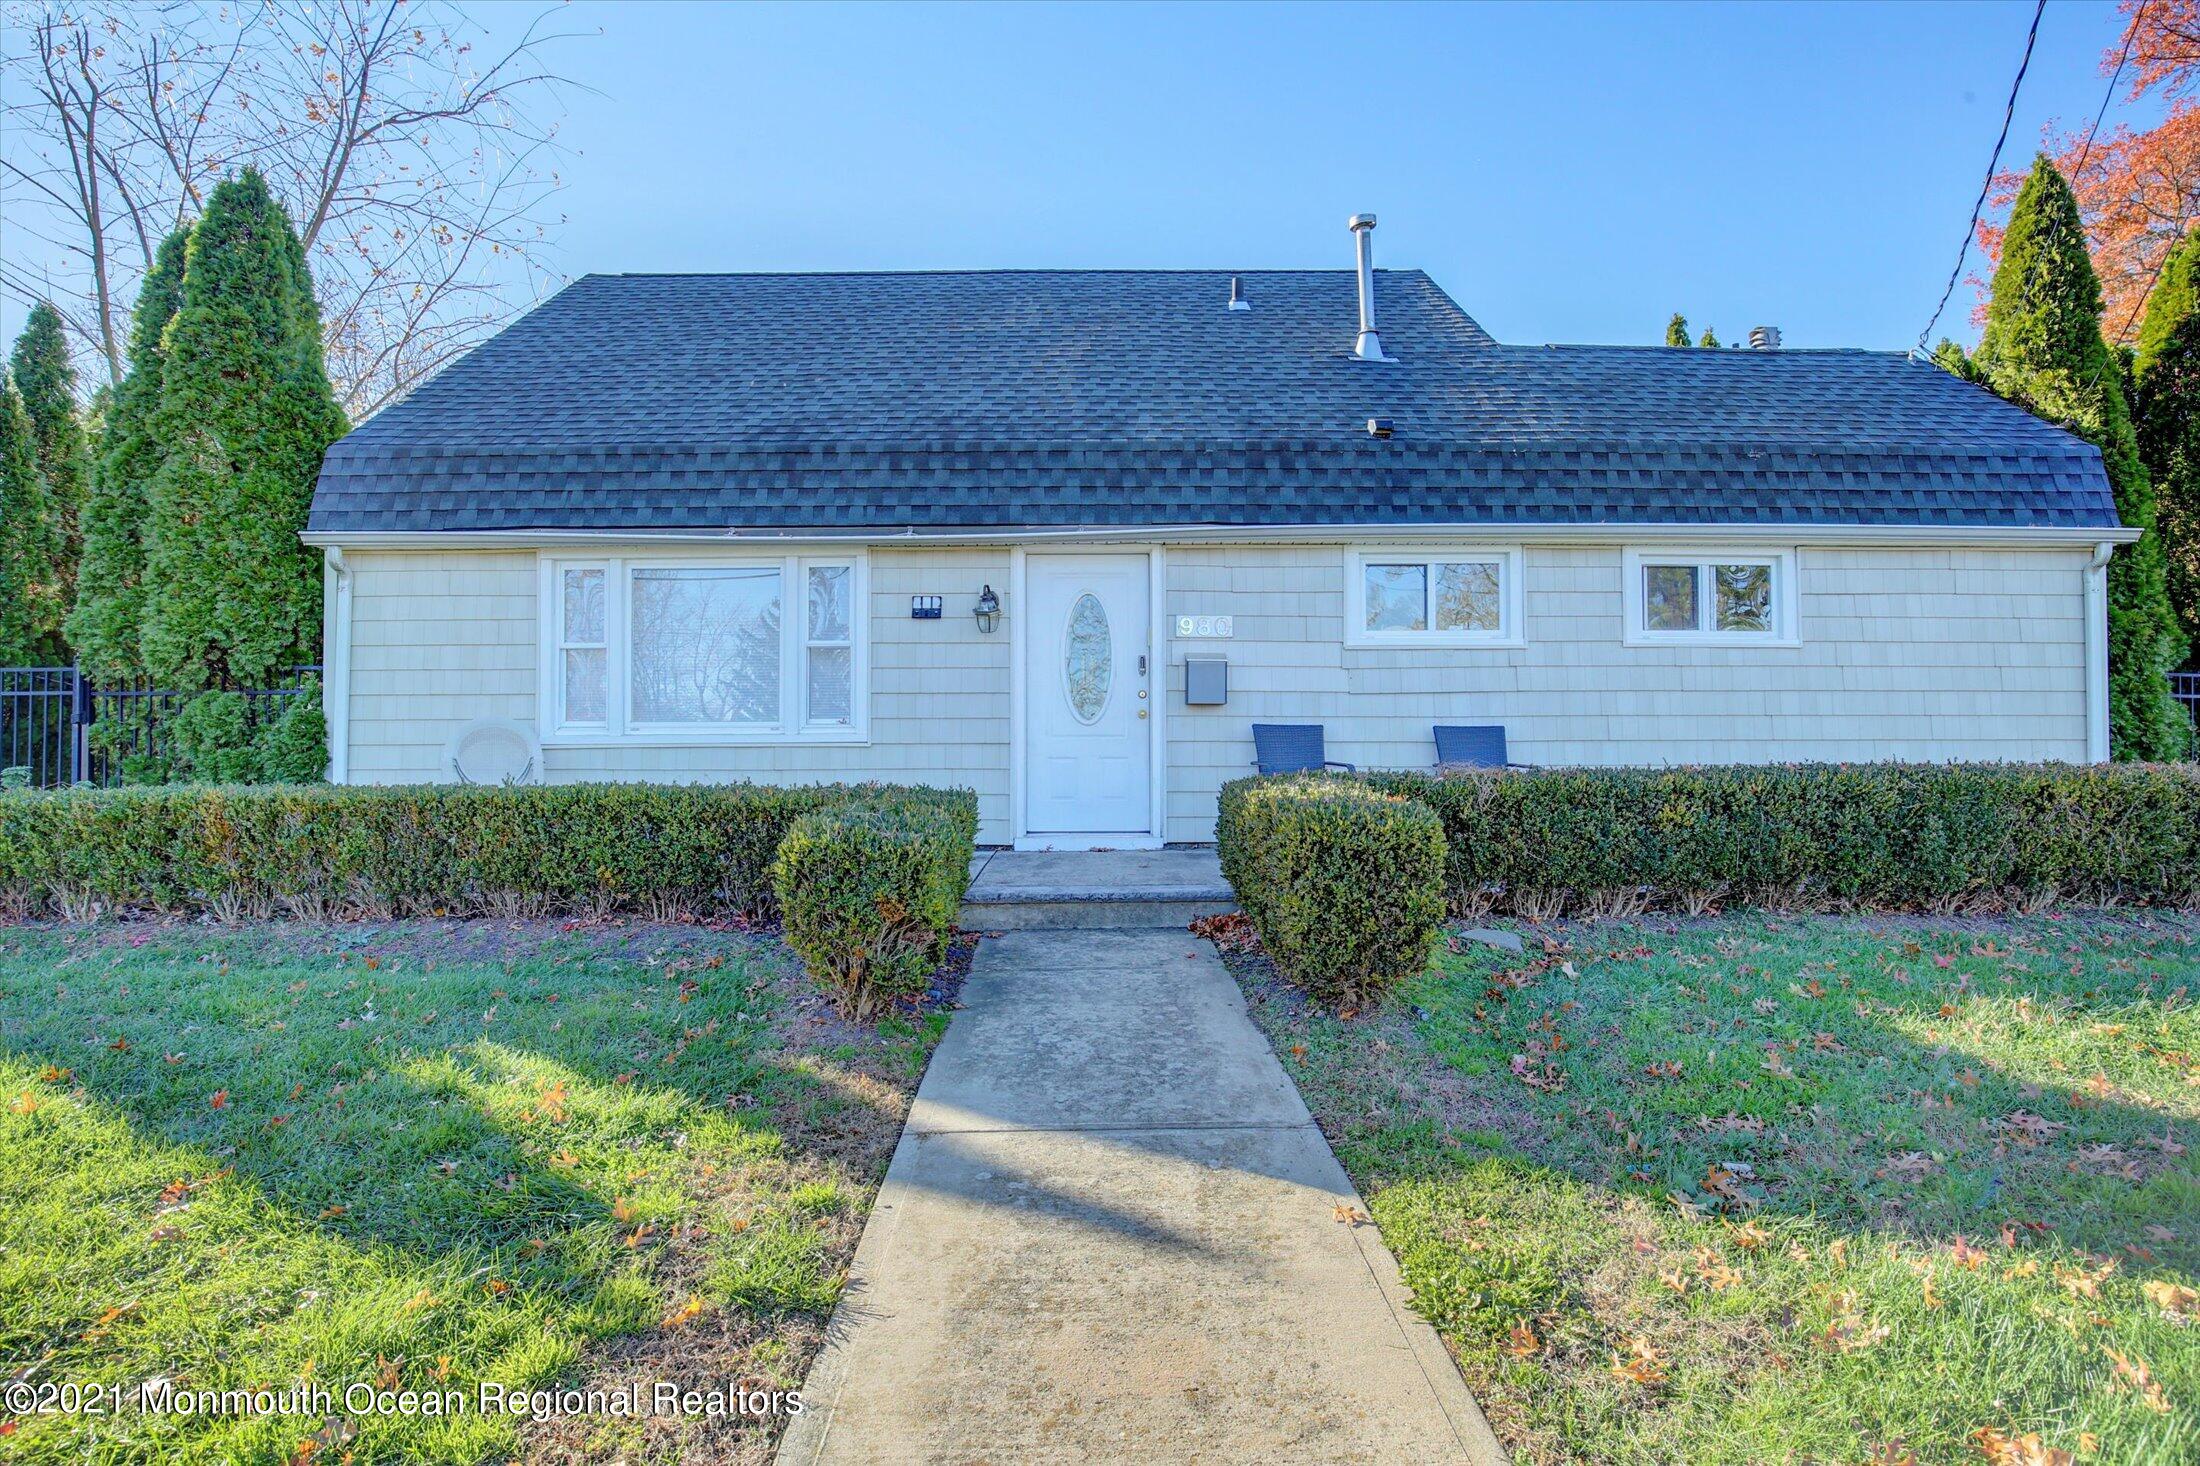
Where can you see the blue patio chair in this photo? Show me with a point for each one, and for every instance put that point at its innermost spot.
(1481, 747)
(1291, 748)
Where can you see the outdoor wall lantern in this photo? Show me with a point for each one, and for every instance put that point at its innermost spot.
(988, 610)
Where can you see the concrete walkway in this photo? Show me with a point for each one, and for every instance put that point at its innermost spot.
(1110, 1232)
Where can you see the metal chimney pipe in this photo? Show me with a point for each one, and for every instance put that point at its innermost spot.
(1369, 345)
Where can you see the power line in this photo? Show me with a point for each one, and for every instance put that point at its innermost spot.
(1993, 164)
(2131, 34)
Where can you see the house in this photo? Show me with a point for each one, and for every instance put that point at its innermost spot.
(971, 528)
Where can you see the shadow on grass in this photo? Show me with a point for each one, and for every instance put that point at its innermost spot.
(1753, 1146)
(273, 1162)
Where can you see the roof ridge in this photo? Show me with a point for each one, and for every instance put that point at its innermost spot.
(1005, 270)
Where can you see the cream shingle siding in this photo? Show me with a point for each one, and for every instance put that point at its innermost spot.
(1905, 653)
(441, 639)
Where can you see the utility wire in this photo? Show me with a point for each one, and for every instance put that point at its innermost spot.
(1993, 164)
(2131, 34)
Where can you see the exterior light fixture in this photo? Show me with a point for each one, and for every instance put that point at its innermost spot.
(988, 609)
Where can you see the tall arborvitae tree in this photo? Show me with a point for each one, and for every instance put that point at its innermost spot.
(2167, 410)
(2043, 350)
(1709, 338)
(232, 597)
(1951, 358)
(45, 379)
(23, 558)
(1676, 330)
(110, 590)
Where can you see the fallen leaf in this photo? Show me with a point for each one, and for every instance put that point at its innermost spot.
(1351, 1216)
(2020, 1450)
(2171, 1297)
(2132, 1374)
(2079, 1282)
(1521, 1341)
(1643, 1364)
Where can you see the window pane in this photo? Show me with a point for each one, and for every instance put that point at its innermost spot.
(1744, 597)
(1397, 598)
(706, 646)
(1669, 597)
(1466, 596)
(584, 605)
(831, 683)
(829, 618)
(584, 686)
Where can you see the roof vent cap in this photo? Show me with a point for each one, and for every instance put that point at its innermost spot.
(1238, 302)
(1368, 345)
(1380, 427)
(1764, 338)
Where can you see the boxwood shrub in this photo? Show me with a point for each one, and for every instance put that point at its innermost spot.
(316, 850)
(1343, 881)
(1902, 836)
(870, 894)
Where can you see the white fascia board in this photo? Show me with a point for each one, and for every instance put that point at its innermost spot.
(2035, 537)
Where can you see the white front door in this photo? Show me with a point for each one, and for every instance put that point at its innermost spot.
(1088, 698)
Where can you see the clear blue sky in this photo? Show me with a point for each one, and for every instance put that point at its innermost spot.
(1567, 172)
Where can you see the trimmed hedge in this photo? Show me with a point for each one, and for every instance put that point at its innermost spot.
(870, 895)
(319, 851)
(1934, 836)
(1343, 881)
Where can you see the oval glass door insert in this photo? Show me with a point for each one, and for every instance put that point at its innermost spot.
(1088, 659)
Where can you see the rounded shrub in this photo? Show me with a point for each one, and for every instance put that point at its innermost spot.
(1344, 882)
(869, 894)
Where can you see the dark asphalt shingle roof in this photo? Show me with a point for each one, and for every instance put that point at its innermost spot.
(1054, 398)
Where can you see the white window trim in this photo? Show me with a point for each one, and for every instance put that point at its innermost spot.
(1510, 632)
(1786, 629)
(619, 729)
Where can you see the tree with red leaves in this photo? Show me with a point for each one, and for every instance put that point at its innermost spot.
(2138, 191)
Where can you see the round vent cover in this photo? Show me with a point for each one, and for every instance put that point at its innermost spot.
(495, 751)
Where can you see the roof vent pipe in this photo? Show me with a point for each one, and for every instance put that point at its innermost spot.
(1369, 345)
(1764, 338)
(1238, 302)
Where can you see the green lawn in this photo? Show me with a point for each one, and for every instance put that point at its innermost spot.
(425, 1155)
(1818, 1189)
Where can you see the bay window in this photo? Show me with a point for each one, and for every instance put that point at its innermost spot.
(1710, 598)
(703, 650)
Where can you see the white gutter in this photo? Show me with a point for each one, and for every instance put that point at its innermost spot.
(336, 663)
(2096, 650)
(2012, 537)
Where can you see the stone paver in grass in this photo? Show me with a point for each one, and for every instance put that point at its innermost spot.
(1111, 1231)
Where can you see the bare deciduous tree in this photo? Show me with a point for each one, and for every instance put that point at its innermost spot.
(418, 172)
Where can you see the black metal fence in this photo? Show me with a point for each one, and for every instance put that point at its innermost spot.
(48, 718)
(2185, 687)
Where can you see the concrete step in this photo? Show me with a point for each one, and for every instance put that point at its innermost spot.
(1058, 890)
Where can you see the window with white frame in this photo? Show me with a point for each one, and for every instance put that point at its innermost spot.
(1710, 598)
(1446, 597)
(704, 650)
